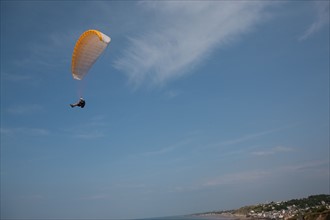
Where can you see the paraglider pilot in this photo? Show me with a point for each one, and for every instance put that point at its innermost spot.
(81, 103)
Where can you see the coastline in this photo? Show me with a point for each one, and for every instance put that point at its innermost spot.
(314, 207)
(223, 216)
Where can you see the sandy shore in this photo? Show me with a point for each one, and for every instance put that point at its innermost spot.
(224, 216)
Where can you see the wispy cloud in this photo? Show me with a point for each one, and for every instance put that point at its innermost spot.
(49, 51)
(25, 109)
(255, 175)
(246, 137)
(322, 19)
(168, 149)
(15, 77)
(32, 197)
(243, 138)
(274, 150)
(243, 177)
(183, 34)
(231, 147)
(131, 185)
(89, 134)
(318, 169)
(93, 128)
(309, 166)
(24, 131)
(52, 51)
(97, 197)
(170, 94)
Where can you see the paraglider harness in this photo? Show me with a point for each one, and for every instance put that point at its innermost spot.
(81, 103)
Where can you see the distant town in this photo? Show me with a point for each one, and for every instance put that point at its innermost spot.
(315, 207)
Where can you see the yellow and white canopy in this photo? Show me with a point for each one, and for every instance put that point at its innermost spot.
(88, 48)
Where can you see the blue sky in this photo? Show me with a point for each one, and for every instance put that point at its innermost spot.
(194, 106)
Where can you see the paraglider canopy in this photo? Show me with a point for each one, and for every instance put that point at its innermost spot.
(88, 48)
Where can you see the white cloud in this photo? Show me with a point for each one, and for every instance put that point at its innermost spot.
(182, 35)
(321, 21)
